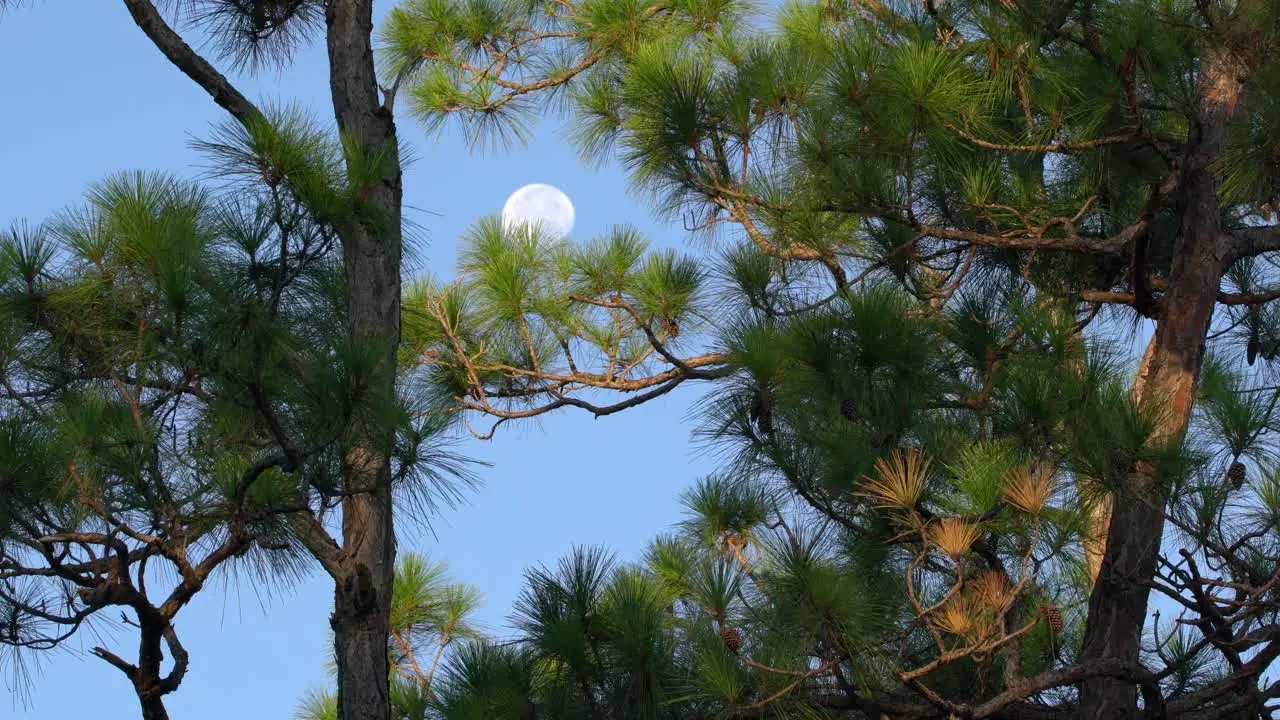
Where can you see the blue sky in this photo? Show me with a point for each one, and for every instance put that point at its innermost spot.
(85, 95)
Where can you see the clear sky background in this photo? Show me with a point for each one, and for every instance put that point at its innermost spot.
(83, 94)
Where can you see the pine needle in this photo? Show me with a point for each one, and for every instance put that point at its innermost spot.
(1029, 489)
(900, 480)
(953, 536)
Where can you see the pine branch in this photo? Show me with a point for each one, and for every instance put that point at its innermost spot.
(183, 57)
(130, 670)
(1063, 147)
(317, 540)
(1033, 238)
(1256, 298)
(1251, 241)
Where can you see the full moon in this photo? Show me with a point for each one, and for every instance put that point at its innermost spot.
(542, 205)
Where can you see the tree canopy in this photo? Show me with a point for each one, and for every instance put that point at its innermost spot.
(1025, 178)
(936, 231)
(900, 528)
(348, 185)
(178, 386)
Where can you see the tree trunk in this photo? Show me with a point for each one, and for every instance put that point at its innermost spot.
(361, 624)
(1167, 378)
(1095, 538)
(371, 249)
(153, 707)
(146, 676)
(371, 259)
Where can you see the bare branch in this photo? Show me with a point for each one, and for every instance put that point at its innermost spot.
(317, 540)
(1250, 241)
(130, 670)
(190, 62)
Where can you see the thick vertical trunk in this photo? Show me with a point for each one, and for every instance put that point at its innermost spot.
(1167, 378)
(146, 676)
(153, 707)
(371, 260)
(371, 249)
(1095, 539)
(361, 623)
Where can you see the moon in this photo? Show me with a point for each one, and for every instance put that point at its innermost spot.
(538, 204)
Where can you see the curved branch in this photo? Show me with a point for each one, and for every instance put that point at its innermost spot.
(181, 659)
(1103, 667)
(183, 57)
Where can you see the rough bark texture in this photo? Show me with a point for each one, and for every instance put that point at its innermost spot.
(1168, 377)
(1095, 540)
(371, 259)
(371, 247)
(153, 708)
(146, 682)
(155, 630)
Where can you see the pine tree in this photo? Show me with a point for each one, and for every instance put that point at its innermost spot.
(361, 227)
(371, 245)
(1096, 160)
(822, 576)
(177, 388)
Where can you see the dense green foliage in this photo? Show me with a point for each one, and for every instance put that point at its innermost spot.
(177, 383)
(806, 568)
(937, 230)
(256, 363)
(947, 488)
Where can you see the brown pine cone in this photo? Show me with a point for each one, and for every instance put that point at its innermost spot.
(1053, 616)
(1236, 475)
(732, 639)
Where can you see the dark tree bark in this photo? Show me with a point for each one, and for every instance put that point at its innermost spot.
(153, 708)
(146, 682)
(371, 247)
(149, 684)
(371, 258)
(180, 54)
(1166, 384)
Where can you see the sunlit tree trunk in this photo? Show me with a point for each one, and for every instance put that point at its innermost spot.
(1168, 378)
(371, 260)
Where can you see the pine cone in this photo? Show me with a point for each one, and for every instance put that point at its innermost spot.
(847, 408)
(732, 639)
(1053, 616)
(1251, 351)
(1236, 475)
(1121, 461)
